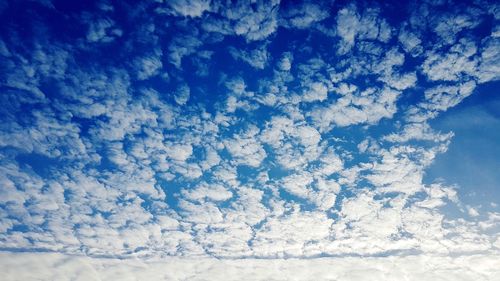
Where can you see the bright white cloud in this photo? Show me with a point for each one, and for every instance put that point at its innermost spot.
(50, 266)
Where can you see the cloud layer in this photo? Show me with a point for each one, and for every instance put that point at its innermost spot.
(45, 266)
(248, 129)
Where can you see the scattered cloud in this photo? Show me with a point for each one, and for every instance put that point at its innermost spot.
(257, 139)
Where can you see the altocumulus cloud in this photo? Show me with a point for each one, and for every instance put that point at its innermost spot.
(253, 140)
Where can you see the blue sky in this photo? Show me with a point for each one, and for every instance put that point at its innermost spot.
(471, 161)
(249, 129)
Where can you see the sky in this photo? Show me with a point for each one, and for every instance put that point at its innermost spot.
(255, 140)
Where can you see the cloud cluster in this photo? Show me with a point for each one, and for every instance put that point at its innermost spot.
(247, 129)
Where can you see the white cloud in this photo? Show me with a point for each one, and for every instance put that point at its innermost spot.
(285, 63)
(102, 31)
(149, 66)
(253, 23)
(489, 69)
(289, 235)
(257, 58)
(411, 42)
(286, 138)
(440, 98)
(248, 208)
(51, 266)
(189, 8)
(204, 213)
(179, 152)
(245, 148)
(276, 129)
(400, 81)
(182, 46)
(304, 15)
(226, 240)
(454, 64)
(396, 172)
(418, 131)
(347, 25)
(317, 92)
(320, 178)
(182, 94)
(212, 158)
(124, 119)
(308, 136)
(366, 26)
(447, 26)
(373, 27)
(298, 184)
(368, 107)
(208, 192)
(472, 211)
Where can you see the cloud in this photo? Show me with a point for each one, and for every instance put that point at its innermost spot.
(454, 65)
(410, 42)
(447, 26)
(368, 106)
(182, 46)
(304, 15)
(4, 51)
(245, 149)
(488, 68)
(102, 31)
(347, 24)
(212, 158)
(158, 143)
(367, 26)
(148, 66)
(285, 63)
(256, 23)
(317, 92)
(189, 8)
(257, 58)
(440, 98)
(50, 266)
(418, 131)
(182, 94)
(212, 192)
(179, 152)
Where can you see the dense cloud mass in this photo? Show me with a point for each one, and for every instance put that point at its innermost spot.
(57, 267)
(241, 130)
